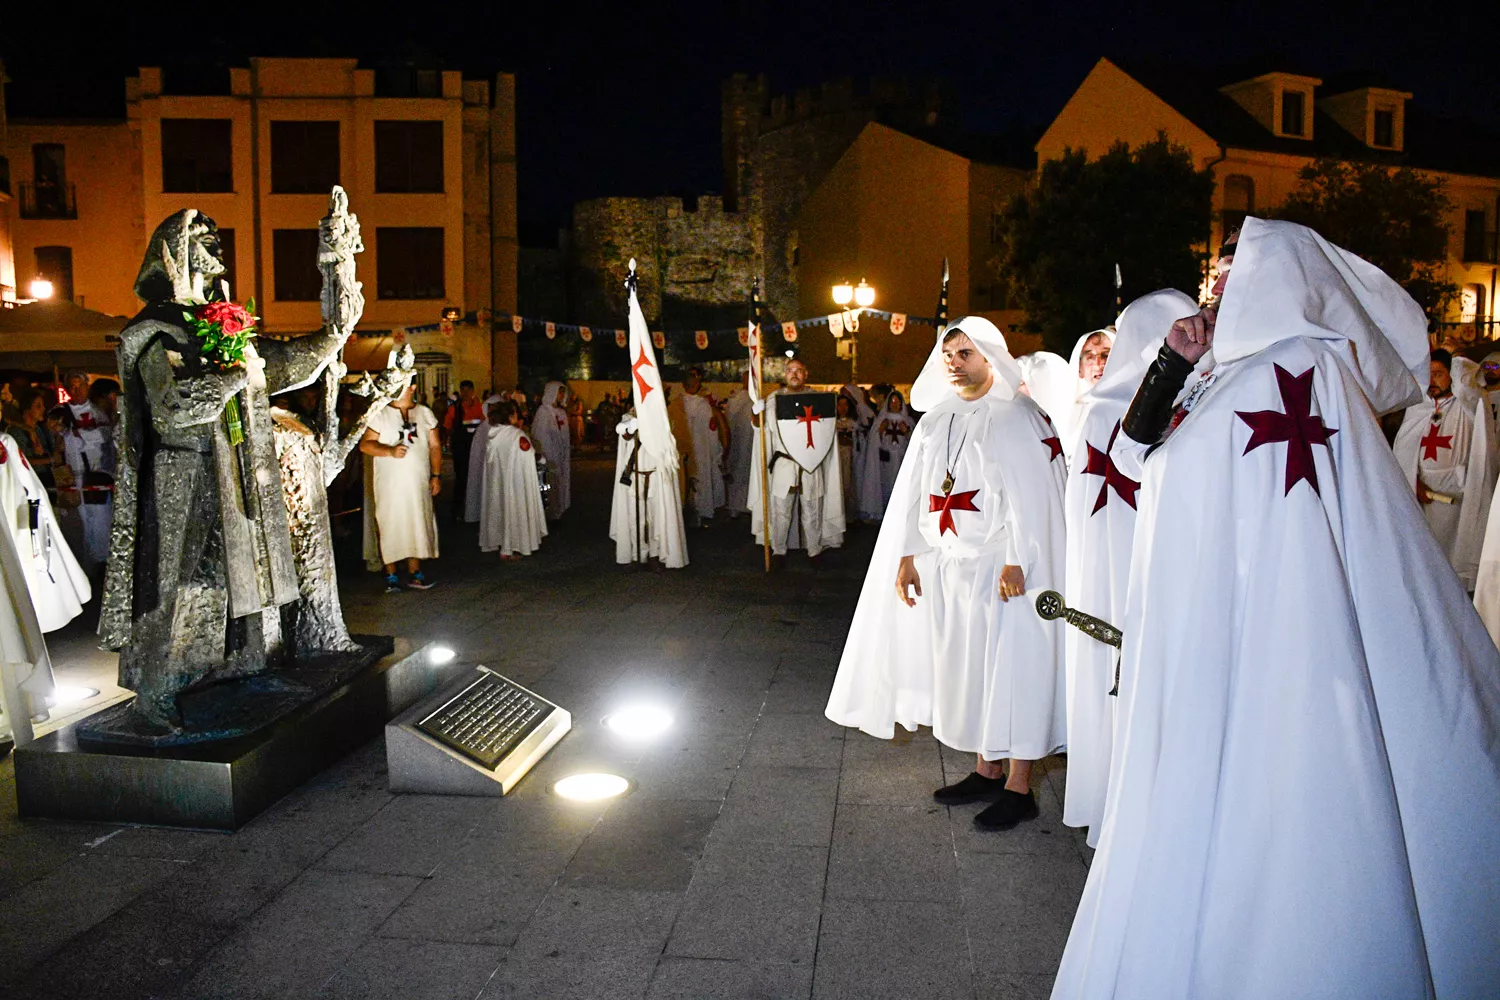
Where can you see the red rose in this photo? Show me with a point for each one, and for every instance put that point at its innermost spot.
(231, 318)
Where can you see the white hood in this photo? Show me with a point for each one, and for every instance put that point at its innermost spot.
(1051, 383)
(550, 394)
(1139, 333)
(1287, 281)
(931, 386)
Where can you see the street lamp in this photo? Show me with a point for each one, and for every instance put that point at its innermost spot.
(863, 297)
(40, 288)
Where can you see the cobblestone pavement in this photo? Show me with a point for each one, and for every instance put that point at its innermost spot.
(764, 851)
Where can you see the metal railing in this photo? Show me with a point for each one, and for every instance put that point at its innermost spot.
(48, 201)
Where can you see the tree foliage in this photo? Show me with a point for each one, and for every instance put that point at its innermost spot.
(1147, 210)
(1392, 217)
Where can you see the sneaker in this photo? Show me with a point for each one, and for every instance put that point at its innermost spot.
(975, 788)
(1010, 809)
(418, 582)
(393, 584)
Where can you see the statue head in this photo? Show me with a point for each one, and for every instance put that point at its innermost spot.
(184, 262)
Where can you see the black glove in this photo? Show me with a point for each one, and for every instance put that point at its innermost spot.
(1151, 409)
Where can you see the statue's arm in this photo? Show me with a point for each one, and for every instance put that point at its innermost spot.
(292, 364)
(177, 404)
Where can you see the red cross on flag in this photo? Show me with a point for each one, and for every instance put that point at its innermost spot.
(645, 391)
(516, 323)
(585, 334)
(898, 324)
(551, 330)
(789, 332)
(806, 424)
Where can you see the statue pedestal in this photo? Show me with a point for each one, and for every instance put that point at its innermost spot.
(220, 785)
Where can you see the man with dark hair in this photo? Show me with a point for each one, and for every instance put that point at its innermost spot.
(1443, 448)
(460, 423)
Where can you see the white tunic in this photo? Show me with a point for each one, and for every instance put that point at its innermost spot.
(885, 447)
(1439, 442)
(703, 427)
(511, 517)
(807, 508)
(646, 524)
(1286, 605)
(402, 487)
(741, 445)
(549, 431)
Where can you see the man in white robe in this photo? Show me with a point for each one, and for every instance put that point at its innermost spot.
(807, 508)
(512, 520)
(1286, 607)
(645, 519)
(741, 443)
(890, 433)
(707, 436)
(1444, 450)
(1100, 506)
(549, 431)
(406, 457)
(944, 633)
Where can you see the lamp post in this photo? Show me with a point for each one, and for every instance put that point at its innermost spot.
(863, 297)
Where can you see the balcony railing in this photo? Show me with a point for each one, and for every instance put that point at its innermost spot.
(48, 201)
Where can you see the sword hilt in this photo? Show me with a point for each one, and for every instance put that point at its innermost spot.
(1050, 605)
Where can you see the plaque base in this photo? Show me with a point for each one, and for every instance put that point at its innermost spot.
(220, 785)
(423, 762)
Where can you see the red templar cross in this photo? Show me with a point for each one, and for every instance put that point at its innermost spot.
(948, 504)
(640, 380)
(1100, 464)
(808, 419)
(1433, 441)
(1296, 426)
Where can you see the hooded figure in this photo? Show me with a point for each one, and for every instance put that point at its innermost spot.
(1444, 447)
(980, 490)
(1100, 507)
(1305, 785)
(549, 430)
(645, 519)
(1053, 385)
(511, 518)
(741, 443)
(863, 416)
(890, 433)
(706, 439)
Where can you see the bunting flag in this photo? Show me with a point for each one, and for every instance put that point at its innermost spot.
(898, 324)
(516, 323)
(836, 324)
(620, 338)
(659, 340)
(752, 340)
(484, 316)
(446, 327)
(700, 339)
(744, 335)
(789, 332)
(398, 336)
(645, 390)
(551, 331)
(585, 334)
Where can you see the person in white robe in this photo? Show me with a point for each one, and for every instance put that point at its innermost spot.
(741, 443)
(549, 431)
(89, 451)
(806, 509)
(707, 435)
(862, 415)
(890, 433)
(1444, 450)
(1100, 512)
(945, 633)
(1287, 607)
(1052, 384)
(645, 518)
(45, 586)
(512, 520)
(474, 484)
(406, 455)
(1090, 355)
(846, 429)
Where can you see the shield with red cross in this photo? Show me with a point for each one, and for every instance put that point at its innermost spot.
(806, 422)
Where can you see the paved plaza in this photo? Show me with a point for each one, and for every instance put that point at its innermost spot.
(763, 852)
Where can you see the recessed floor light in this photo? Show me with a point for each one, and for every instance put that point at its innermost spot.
(438, 655)
(591, 787)
(71, 694)
(639, 722)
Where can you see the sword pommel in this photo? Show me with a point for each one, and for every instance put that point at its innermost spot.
(1050, 605)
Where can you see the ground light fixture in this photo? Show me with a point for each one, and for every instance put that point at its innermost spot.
(65, 695)
(439, 655)
(591, 786)
(40, 288)
(639, 723)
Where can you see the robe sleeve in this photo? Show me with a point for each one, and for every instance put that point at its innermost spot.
(1032, 495)
(292, 364)
(913, 542)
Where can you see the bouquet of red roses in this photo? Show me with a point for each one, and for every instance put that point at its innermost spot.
(225, 329)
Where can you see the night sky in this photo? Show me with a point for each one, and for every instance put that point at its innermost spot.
(623, 99)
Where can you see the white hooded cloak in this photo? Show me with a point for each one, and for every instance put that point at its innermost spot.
(812, 520)
(703, 429)
(659, 532)
(742, 435)
(1101, 503)
(511, 518)
(549, 432)
(1306, 780)
(985, 674)
(890, 433)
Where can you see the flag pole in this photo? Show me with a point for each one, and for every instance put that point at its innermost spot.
(759, 346)
(635, 472)
(942, 309)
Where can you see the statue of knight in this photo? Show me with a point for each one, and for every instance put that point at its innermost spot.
(201, 557)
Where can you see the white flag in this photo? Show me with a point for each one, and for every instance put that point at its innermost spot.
(753, 342)
(645, 389)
